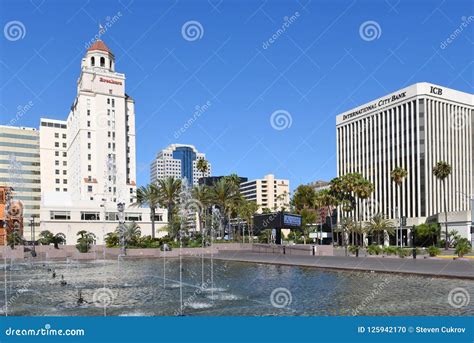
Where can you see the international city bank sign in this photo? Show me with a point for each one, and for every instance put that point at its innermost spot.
(110, 81)
(387, 101)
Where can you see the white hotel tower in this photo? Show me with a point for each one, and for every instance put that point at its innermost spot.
(89, 162)
(412, 128)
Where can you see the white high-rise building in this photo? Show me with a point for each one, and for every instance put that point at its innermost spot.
(178, 161)
(88, 162)
(269, 192)
(412, 128)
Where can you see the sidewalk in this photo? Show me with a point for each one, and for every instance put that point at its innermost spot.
(427, 267)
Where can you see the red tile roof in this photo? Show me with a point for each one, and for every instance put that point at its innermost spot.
(99, 45)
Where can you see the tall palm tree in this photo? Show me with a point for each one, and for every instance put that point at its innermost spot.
(378, 225)
(246, 210)
(329, 201)
(149, 195)
(224, 194)
(168, 195)
(201, 193)
(346, 226)
(398, 175)
(441, 171)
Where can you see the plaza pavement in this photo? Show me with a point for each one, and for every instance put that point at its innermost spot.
(427, 267)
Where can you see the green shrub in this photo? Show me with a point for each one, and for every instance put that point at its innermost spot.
(353, 249)
(390, 250)
(374, 249)
(433, 251)
(403, 252)
(463, 246)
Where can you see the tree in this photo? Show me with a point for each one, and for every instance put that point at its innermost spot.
(202, 165)
(112, 239)
(303, 197)
(247, 210)
(14, 237)
(168, 195)
(201, 194)
(47, 238)
(463, 246)
(225, 193)
(346, 226)
(308, 220)
(441, 171)
(398, 175)
(426, 234)
(329, 201)
(149, 195)
(131, 233)
(378, 225)
(85, 241)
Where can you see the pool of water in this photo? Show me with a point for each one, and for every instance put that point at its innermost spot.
(219, 288)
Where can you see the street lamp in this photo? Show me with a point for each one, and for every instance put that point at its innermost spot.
(32, 226)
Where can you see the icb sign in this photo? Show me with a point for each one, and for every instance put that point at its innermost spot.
(291, 220)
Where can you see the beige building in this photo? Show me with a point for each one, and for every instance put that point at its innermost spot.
(20, 169)
(268, 193)
(53, 155)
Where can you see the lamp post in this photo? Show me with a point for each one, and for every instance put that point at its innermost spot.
(120, 209)
(32, 225)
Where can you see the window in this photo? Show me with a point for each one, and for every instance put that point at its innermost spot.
(65, 181)
(88, 135)
(133, 217)
(57, 171)
(108, 101)
(64, 135)
(113, 216)
(88, 112)
(89, 168)
(89, 188)
(65, 189)
(57, 189)
(88, 145)
(64, 154)
(57, 180)
(158, 217)
(56, 135)
(102, 62)
(56, 144)
(56, 163)
(56, 153)
(113, 102)
(90, 216)
(64, 163)
(89, 157)
(88, 123)
(64, 172)
(92, 61)
(64, 145)
(110, 91)
(60, 215)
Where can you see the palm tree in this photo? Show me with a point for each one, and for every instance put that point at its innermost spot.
(201, 193)
(378, 225)
(168, 195)
(130, 232)
(308, 218)
(398, 175)
(441, 171)
(85, 240)
(149, 195)
(225, 193)
(329, 201)
(346, 226)
(202, 165)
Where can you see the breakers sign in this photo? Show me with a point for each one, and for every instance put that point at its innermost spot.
(380, 103)
(110, 81)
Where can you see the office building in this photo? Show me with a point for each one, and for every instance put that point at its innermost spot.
(178, 161)
(20, 168)
(412, 128)
(269, 192)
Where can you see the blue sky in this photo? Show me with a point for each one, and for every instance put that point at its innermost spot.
(319, 66)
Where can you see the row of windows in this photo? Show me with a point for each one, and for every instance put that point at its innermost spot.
(19, 145)
(61, 126)
(19, 154)
(109, 216)
(15, 136)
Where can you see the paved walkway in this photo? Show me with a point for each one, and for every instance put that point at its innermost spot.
(428, 267)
